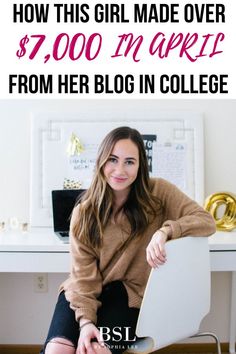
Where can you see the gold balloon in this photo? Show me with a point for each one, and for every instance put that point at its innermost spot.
(226, 222)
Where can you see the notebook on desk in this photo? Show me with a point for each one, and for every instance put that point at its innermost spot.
(63, 202)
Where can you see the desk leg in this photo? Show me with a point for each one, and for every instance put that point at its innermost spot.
(233, 315)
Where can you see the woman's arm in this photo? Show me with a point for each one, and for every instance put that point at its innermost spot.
(182, 217)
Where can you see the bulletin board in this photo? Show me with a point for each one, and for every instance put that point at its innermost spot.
(63, 154)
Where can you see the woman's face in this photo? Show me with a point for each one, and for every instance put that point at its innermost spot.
(121, 168)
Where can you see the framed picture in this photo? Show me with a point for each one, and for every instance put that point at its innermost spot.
(64, 154)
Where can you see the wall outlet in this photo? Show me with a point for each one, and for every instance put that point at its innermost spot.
(40, 283)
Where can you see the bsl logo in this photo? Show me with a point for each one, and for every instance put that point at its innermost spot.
(115, 334)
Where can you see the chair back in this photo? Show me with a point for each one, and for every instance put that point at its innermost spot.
(177, 295)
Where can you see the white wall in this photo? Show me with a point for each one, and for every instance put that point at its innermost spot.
(25, 315)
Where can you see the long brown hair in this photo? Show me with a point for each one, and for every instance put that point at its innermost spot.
(96, 205)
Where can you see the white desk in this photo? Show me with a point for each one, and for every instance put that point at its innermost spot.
(41, 251)
(223, 258)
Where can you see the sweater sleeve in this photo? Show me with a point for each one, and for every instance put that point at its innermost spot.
(85, 282)
(182, 214)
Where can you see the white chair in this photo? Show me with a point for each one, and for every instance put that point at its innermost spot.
(176, 298)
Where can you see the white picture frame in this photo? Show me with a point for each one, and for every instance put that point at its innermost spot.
(51, 165)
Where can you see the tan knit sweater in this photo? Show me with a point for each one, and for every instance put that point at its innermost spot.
(91, 269)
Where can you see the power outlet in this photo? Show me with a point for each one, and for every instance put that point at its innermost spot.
(40, 283)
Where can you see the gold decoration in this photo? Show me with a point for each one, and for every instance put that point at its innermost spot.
(14, 223)
(2, 225)
(226, 222)
(75, 146)
(24, 227)
(71, 184)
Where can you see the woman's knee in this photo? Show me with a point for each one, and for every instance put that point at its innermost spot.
(60, 346)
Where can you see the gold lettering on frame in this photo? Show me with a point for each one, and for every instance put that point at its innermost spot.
(222, 207)
(75, 146)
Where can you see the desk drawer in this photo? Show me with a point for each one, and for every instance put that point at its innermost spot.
(33, 262)
(223, 261)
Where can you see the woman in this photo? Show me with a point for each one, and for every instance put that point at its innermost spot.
(118, 232)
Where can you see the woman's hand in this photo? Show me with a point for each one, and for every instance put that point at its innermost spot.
(85, 344)
(155, 251)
